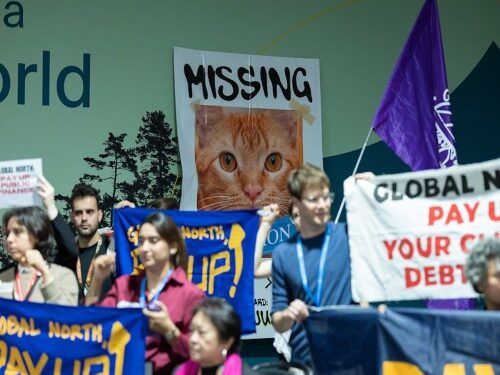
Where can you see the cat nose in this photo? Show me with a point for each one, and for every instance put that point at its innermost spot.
(252, 192)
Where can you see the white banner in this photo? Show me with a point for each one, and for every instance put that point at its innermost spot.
(18, 180)
(244, 122)
(410, 233)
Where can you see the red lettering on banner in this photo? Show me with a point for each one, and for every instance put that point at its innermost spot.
(464, 240)
(390, 248)
(468, 239)
(471, 211)
(446, 275)
(454, 215)
(430, 275)
(434, 275)
(436, 213)
(412, 277)
(492, 213)
(424, 247)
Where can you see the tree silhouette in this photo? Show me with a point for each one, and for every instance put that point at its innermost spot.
(5, 259)
(140, 174)
(115, 160)
(157, 150)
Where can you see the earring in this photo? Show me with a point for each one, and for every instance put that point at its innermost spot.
(224, 354)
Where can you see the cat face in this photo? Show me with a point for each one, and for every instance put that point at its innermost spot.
(243, 157)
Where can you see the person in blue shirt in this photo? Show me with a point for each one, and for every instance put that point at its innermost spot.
(312, 268)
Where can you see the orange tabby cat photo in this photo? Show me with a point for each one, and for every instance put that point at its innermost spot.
(243, 156)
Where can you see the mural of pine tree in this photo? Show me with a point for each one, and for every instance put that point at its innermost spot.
(157, 151)
(118, 164)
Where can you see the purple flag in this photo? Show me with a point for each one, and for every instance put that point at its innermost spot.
(414, 118)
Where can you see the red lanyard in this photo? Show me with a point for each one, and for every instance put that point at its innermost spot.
(19, 294)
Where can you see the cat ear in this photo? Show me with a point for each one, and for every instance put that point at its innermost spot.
(207, 116)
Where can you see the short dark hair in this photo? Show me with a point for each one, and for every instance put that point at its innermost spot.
(38, 226)
(224, 318)
(82, 191)
(165, 203)
(168, 231)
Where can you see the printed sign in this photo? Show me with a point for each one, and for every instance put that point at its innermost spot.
(220, 248)
(40, 338)
(410, 233)
(18, 179)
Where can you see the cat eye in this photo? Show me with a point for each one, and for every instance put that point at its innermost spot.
(228, 161)
(273, 162)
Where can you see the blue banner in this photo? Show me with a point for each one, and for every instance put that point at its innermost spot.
(221, 246)
(49, 339)
(359, 341)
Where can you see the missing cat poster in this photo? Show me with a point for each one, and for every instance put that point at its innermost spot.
(243, 123)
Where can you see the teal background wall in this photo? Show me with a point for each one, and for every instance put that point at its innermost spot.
(130, 45)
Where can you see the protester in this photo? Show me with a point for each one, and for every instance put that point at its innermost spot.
(29, 239)
(483, 271)
(86, 215)
(313, 267)
(163, 291)
(214, 341)
(65, 241)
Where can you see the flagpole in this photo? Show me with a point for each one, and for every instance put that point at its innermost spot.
(342, 204)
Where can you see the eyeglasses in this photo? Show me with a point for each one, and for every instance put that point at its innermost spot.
(327, 198)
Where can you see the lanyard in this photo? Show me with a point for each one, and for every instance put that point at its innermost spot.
(144, 297)
(19, 294)
(90, 272)
(321, 273)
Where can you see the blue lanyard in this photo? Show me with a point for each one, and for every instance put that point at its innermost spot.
(162, 284)
(321, 273)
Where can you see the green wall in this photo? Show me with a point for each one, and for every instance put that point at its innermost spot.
(131, 64)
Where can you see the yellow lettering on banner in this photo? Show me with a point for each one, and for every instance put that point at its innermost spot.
(19, 327)
(133, 234)
(118, 340)
(400, 368)
(12, 325)
(215, 271)
(76, 367)
(15, 364)
(35, 370)
(204, 272)
(235, 243)
(84, 332)
(138, 267)
(57, 366)
(102, 360)
(97, 333)
(454, 369)
(214, 232)
(483, 369)
(3, 354)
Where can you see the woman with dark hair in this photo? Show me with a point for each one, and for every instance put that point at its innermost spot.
(163, 291)
(29, 239)
(215, 341)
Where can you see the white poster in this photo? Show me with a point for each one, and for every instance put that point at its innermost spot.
(410, 233)
(18, 179)
(244, 122)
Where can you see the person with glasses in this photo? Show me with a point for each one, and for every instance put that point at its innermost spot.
(312, 268)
